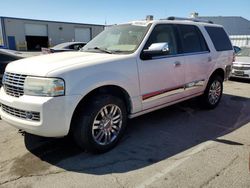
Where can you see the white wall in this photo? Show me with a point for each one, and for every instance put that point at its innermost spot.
(58, 32)
(240, 40)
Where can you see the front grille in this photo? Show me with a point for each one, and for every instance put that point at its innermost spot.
(241, 68)
(27, 115)
(13, 84)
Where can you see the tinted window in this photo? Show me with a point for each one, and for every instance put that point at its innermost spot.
(75, 47)
(192, 39)
(163, 34)
(219, 37)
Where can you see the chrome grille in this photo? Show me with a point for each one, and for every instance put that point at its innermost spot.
(241, 68)
(27, 115)
(13, 84)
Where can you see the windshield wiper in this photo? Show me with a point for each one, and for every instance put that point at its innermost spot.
(101, 49)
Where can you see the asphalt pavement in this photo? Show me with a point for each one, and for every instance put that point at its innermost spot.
(178, 146)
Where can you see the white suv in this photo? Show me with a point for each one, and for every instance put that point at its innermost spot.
(126, 71)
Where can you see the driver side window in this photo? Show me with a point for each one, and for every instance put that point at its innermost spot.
(163, 34)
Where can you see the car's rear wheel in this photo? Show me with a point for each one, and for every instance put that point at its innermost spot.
(213, 92)
(100, 124)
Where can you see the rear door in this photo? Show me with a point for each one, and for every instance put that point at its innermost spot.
(198, 61)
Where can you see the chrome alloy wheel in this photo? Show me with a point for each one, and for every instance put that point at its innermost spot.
(214, 92)
(107, 124)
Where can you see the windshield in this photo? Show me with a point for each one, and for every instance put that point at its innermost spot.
(118, 39)
(244, 52)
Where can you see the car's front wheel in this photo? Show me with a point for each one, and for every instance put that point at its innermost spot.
(100, 124)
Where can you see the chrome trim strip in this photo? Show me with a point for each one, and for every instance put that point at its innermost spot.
(166, 93)
(194, 85)
(163, 105)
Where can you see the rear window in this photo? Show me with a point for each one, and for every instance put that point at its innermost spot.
(219, 37)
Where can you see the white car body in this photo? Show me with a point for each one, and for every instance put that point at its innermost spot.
(150, 85)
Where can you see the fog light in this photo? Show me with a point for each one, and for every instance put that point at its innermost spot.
(29, 115)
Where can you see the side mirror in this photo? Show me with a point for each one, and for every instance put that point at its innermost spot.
(155, 49)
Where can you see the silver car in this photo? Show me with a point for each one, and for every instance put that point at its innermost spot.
(241, 66)
(64, 47)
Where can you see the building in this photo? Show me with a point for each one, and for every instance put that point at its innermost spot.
(238, 28)
(28, 34)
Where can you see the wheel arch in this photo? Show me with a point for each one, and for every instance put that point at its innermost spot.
(107, 89)
(218, 72)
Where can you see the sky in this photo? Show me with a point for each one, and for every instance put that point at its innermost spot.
(115, 11)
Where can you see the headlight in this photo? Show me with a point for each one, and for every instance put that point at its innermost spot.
(49, 87)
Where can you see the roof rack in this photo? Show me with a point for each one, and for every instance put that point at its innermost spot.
(188, 19)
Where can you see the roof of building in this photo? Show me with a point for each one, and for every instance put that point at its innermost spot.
(234, 25)
(28, 19)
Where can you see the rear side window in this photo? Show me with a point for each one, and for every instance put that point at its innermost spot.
(192, 39)
(219, 37)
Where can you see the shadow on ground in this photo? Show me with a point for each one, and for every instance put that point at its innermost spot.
(148, 140)
(243, 80)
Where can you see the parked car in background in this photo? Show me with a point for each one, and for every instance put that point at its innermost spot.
(7, 56)
(66, 46)
(241, 65)
(236, 49)
(2, 47)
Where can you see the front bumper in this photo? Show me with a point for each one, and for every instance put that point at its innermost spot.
(55, 113)
(240, 73)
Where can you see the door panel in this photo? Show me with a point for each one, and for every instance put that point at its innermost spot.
(197, 58)
(161, 76)
(197, 67)
(161, 81)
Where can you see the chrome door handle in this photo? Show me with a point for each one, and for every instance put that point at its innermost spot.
(177, 64)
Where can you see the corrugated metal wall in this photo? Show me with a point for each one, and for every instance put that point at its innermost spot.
(57, 32)
(240, 40)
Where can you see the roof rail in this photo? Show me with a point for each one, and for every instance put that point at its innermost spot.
(189, 19)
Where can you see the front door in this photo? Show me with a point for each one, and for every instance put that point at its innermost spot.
(161, 76)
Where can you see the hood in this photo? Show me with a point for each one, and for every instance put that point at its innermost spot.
(43, 64)
(242, 60)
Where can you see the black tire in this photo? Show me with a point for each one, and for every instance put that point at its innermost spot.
(215, 84)
(86, 134)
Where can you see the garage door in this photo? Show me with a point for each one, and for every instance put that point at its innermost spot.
(36, 30)
(82, 34)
